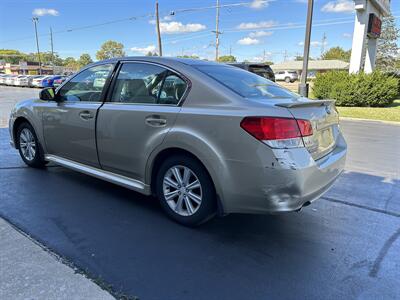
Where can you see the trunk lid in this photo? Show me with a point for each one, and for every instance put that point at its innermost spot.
(324, 120)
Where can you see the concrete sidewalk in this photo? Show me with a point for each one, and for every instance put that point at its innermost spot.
(29, 272)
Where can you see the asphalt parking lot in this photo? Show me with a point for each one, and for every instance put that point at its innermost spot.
(346, 245)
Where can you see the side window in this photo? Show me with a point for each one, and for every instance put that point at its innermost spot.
(138, 83)
(87, 85)
(172, 90)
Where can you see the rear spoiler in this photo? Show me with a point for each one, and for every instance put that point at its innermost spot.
(306, 103)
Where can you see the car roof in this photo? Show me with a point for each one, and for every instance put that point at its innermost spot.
(157, 59)
(258, 64)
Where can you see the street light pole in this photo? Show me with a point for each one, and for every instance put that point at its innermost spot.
(52, 48)
(217, 32)
(303, 86)
(158, 31)
(35, 20)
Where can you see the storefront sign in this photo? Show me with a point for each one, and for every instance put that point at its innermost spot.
(374, 26)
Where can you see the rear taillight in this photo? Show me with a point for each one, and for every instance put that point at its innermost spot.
(278, 132)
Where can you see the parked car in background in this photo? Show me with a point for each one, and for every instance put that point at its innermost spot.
(205, 138)
(49, 80)
(59, 81)
(25, 81)
(262, 70)
(2, 78)
(10, 79)
(38, 81)
(287, 76)
(20, 80)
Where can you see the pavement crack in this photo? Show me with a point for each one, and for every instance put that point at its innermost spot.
(378, 210)
(12, 168)
(26, 167)
(385, 249)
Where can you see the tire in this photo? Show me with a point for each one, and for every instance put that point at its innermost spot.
(26, 134)
(190, 212)
(287, 80)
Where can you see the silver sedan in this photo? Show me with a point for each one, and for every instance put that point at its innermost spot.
(204, 138)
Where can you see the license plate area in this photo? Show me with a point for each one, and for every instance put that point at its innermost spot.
(321, 142)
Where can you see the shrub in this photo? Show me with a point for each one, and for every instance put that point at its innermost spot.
(376, 89)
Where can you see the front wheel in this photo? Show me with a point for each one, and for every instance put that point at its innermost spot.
(28, 145)
(287, 80)
(186, 191)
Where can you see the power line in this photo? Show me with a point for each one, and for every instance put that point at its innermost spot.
(134, 18)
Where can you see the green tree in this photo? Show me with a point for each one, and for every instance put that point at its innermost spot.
(110, 49)
(84, 60)
(12, 56)
(46, 58)
(298, 58)
(387, 49)
(227, 58)
(337, 53)
(71, 63)
(151, 53)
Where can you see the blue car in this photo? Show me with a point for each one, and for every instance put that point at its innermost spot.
(45, 81)
(49, 80)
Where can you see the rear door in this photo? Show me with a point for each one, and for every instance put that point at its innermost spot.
(140, 109)
(69, 124)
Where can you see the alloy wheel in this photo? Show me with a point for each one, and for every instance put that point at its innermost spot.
(27, 144)
(182, 190)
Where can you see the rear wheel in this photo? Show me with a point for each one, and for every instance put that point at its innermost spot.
(287, 80)
(29, 147)
(186, 191)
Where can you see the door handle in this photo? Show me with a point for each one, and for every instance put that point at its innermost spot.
(156, 121)
(86, 115)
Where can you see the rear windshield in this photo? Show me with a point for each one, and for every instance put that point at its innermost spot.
(244, 83)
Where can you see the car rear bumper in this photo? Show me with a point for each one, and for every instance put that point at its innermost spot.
(295, 180)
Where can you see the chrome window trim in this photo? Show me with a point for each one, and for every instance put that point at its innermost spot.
(180, 75)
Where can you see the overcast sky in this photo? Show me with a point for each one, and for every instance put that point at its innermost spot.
(250, 29)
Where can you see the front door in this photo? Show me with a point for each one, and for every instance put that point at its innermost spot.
(140, 111)
(69, 124)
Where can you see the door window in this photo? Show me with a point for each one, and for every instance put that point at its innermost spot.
(172, 90)
(147, 84)
(87, 85)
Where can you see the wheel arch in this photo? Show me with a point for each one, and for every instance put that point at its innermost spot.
(162, 154)
(18, 121)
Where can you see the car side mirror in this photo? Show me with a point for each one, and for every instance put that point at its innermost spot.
(47, 94)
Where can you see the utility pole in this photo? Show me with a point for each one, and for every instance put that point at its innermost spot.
(230, 50)
(52, 49)
(303, 86)
(217, 32)
(158, 30)
(264, 55)
(35, 20)
(285, 55)
(323, 44)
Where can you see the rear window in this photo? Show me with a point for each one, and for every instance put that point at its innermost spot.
(246, 84)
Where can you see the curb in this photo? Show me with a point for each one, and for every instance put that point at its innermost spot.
(370, 120)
